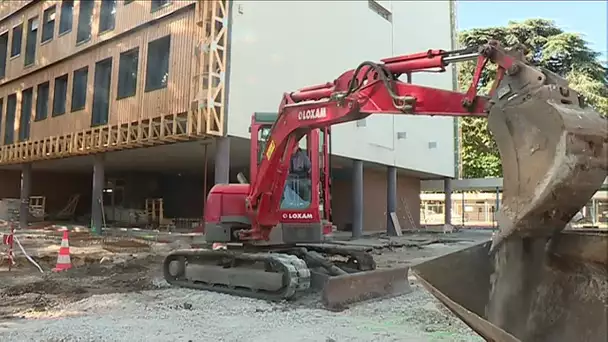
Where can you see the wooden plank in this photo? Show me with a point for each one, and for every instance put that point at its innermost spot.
(94, 140)
(210, 98)
(396, 224)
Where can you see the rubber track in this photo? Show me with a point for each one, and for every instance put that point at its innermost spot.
(295, 272)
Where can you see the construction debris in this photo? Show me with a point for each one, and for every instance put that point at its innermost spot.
(105, 286)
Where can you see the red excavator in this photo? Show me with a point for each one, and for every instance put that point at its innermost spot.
(551, 145)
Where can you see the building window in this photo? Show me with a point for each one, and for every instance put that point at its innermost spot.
(48, 26)
(79, 89)
(85, 20)
(101, 92)
(1, 112)
(17, 38)
(31, 41)
(9, 127)
(158, 4)
(3, 53)
(67, 16)
(61, 91)
(42, 101)
(107, 16)
(157, 68)
(26, 114)
(127, 73)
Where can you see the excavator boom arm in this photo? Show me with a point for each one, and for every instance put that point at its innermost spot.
(550, 142)
(372, 88)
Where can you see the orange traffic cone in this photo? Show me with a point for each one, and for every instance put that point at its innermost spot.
(63, 258)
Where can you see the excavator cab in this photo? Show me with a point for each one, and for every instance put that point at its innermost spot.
(306, 197)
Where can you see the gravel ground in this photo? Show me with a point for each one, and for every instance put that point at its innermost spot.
(123, 298)
(170, 314)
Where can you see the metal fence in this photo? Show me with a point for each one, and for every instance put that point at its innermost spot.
(478, 209)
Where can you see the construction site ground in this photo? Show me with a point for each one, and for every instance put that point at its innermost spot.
(115, 292)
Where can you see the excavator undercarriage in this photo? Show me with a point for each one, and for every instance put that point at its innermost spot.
(276, 273)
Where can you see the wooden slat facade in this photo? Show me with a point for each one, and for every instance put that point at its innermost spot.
(190, 106)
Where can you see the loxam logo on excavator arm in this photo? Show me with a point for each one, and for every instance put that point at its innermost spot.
(311, 114)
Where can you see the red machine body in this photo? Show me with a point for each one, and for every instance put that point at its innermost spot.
(228, 200)
(250, 212)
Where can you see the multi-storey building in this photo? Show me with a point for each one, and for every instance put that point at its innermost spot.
(153, 98)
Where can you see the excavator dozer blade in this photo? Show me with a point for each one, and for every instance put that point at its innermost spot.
(553, 149)
(340, 291)
(567, 304)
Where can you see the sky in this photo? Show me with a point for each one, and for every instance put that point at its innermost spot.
(585, 17)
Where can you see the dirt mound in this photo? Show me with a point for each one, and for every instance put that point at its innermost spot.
(45, 286)
(125, 245)
(119, 275)
(113, 266)
(129, 283)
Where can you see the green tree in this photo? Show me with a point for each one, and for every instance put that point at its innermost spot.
(566, 54)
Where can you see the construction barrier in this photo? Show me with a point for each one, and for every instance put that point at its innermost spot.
(8, 240)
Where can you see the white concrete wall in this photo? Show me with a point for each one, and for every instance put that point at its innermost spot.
(280, 46)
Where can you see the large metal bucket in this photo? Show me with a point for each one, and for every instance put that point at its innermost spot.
(553, 148)
(567, 303)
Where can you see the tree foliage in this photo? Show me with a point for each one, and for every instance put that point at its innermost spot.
(564, 53)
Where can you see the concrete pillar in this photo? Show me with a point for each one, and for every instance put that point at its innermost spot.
(391, 199)
(26, 186)
(447, 189)
(594, 211)
(97, 218)
(496, 206)
(357, 198)
(222, 160)
(463, 202)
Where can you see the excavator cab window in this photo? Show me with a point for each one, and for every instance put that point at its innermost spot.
(263, 134)
(298, 188)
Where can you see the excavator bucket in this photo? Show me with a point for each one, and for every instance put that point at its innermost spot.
(568, 301)
(553, 148)
(340, 291)
(554, 152)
